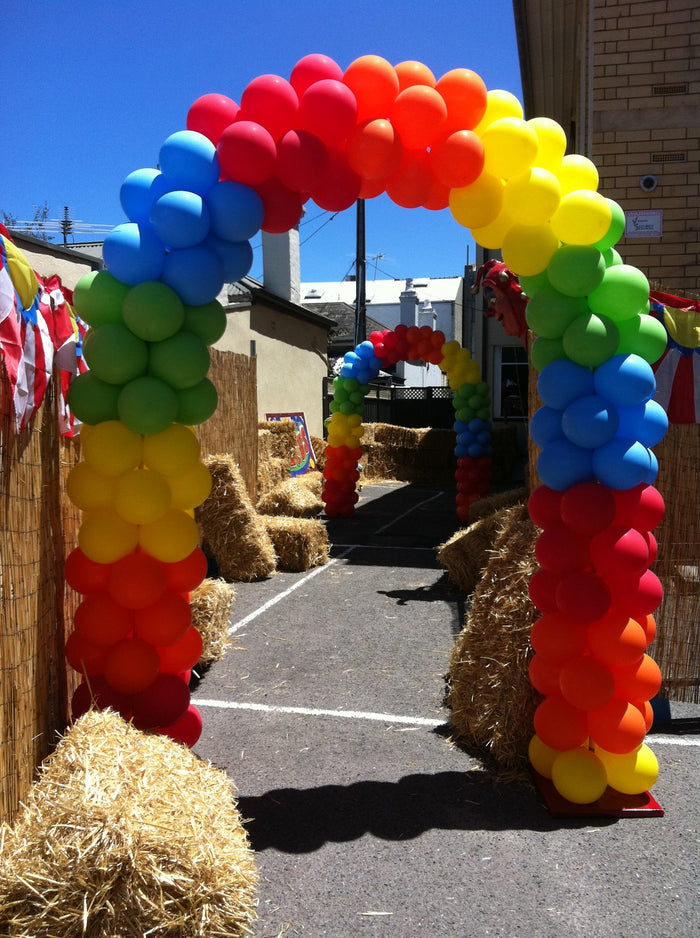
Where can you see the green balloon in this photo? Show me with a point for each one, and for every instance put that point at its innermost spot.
(182, 360)
(153, 311)
(591, 340)
(531, 286)
(147, 405)
(114, 353)
(544, 351)
(642, 335)
(612, 258)
(208, 322)
(550, 312)
(616, 229)
(576, 269)
(623, 292)
(91, 400)
(196, 404)
(98, 298)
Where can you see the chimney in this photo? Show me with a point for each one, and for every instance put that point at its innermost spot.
(427, 315)
(281, 265)
(408, 304)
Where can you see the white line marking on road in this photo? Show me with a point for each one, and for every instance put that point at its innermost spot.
(662, 740)
(314, 712)
(383, 547)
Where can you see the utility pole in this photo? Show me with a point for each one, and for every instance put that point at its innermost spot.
(360, 276)
(66, 225)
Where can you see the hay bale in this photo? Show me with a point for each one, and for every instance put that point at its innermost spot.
(232, 531)
(296, 497)
(300, 543)
(277, 439)
(272, 472)
(487, 506)
(319, 447)
(211, 605)
(490, 694)
(126, 834)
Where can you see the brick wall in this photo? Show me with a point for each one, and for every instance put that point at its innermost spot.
(646, 90)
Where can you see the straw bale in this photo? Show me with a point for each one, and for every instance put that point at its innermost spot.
(277, 439)
(300, 543)
(319, 447)
(271, 472)
(232, 531)
(490, 694)
(211, 605)
(487, 506)
(296, 497)
(126, 834)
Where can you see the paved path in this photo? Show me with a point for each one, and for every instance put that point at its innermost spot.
(328, 715)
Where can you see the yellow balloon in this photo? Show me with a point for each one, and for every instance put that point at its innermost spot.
(583, 217)
(631, 773)
(191, 488)
(491, 236)
(105, 537)
(112, 448)
(532, 197)
(141, 496)
(171, 538)
(527, 249)
(510, 146)
(172, 451)
(499, 103)
(88, 489)
(551, 143)
(577, 172)
(579, 776)
(478, 204)
(541, 756)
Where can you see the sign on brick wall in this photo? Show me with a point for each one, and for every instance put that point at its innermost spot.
(644, 223)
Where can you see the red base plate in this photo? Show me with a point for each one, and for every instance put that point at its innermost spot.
(611, 803)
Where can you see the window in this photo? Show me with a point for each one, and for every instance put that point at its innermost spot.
(510, 382)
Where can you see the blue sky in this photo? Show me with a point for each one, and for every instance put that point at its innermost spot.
(92, 88)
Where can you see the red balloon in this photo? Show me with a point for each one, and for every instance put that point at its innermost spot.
(371, 188)
(648, 623)
(652, 545)
(582, 597)
(542, 588)
(464, 93)
(457, 158)
(647, 711)
(340, 186)
(187, 729)
(640, 681)
(313, 68)
(617, 727)
(85, 575)
(83, 656)
(619, 551)
(102, 621)
(556, 638)
(272, 102)
(560, 550)
(136, 580)
(438, 197)
(211, 114)
(586, 683)
(641, 507)
(166, 622)
(587, 508)
(328, 110)
(302, 160)
(418, 114)
(617, 640)
(637, 596)
(559, 725)
(373, 150)
(544, 675)
(283, 207)
(186, 575)
(163, 702)
(544, 506)
(100, 695)
(246, 153)
(183, 655)
(131, 665)
(410, 185)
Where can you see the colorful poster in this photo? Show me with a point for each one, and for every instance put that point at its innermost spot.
(304, 460)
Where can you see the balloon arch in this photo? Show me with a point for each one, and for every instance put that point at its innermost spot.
(334, 136)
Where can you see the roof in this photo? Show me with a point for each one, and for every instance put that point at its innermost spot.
(343, 317)
(381, 292)
(60, 250)
(247, 290)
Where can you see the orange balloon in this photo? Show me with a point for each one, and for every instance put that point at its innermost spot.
(586, 683)
(410, 185)
(374, 149)
(616, 640)
(617, 727)
(639, 681)
(102, 621)
(437, 199)
(166, 622)
(464, 94)
(647, 711)
(131, 665)
(413, 73)
(560, 725)
(556, 638)
(375, 85)
(457, 158)
(174, 659)
(418, 114)
(648, 623)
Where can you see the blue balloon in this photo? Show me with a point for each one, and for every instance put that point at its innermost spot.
(236, 211)
(653, 469)
(461, 451)
(139, 191)
(351, 358)
(133, 254)
(484, 438)
(590, 421)
(562, 464)
(460, 426)
(562, 381)
(466, 438)
(365, 349)
(646, 422)
(195, 274)
(621, 463)
(180, 218)
(188, 160)
(236, 257)
(625, 380)
(545, 426)
(476, 451)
